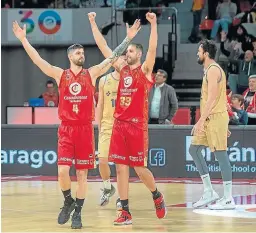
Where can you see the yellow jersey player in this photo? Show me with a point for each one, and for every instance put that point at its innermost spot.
(211, 130)
(108, 86)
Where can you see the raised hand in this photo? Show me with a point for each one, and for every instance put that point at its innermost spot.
(92, 16)
(151, 17)
(18, 31)
(133, 30)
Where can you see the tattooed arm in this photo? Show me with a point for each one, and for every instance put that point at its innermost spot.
(104, 66)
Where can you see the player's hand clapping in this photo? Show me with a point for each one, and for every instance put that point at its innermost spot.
(18, 31)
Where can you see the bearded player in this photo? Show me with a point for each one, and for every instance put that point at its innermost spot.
(211, 129)
(76, 112)
(129, 141)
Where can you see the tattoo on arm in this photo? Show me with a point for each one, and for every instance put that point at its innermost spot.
(115, 54)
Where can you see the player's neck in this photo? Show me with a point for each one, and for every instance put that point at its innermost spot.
(134, 66)
(75, 69)
(208, 62)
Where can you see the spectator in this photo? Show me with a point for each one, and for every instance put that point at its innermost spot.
(250, 100)
(50, 96)
(163, 103)
(225, 11)
(197, 9)
(245, 69)
(238, 116)
(231, 49)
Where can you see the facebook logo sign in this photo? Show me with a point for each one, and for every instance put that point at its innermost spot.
(157, 157)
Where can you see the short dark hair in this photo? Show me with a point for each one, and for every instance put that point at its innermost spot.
(49, 82)
(138, 46)
(210, 47)
(74, 47)
(163, 72)
(239, 97)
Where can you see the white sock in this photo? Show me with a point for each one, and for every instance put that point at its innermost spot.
(207, 182)
(107, 184)
(227, 189)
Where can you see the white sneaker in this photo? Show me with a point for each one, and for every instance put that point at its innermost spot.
(207, 198)
(223, 204)
(106, 194)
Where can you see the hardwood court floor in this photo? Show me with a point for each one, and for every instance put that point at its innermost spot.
(33, 206)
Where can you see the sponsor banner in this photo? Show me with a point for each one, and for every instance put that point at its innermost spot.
(33, 151)
(42, 25)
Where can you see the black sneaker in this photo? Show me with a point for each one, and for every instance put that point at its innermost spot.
(76, 221)
(66, 210)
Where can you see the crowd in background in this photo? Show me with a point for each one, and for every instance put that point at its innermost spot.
(233, 27)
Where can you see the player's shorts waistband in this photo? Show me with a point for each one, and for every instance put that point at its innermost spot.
(71, 123)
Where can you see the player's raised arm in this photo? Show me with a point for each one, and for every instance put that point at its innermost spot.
(104, 66)
(149, 63)
(48, 69)
(98, 37)
(102, 44)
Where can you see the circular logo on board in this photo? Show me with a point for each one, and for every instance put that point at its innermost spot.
(75, 88)
(241, 211)
(127, 81)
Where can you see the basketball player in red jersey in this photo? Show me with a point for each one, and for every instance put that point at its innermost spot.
(76, 112)
(129, 141)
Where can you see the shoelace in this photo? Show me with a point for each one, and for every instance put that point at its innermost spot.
(159, 205)
(123, 215)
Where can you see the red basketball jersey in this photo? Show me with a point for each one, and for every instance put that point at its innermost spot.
(76, 97)
(132, 97)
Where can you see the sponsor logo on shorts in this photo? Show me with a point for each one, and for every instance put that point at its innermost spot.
(64, 159)
(83, 161)
(75, 88)
(115, 156)
(127, 81)
(157, 157)
(134, 159)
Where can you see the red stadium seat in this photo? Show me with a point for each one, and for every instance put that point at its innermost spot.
(197, 114)
(207, 24)
(182, 117)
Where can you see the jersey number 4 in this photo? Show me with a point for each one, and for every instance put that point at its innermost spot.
(75, 108)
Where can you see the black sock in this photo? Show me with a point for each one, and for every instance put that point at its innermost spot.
(125, 205)
(156, 194)
(79, 205)
(67, 195)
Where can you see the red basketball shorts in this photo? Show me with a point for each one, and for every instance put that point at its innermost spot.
(129, 145)
(76, 143)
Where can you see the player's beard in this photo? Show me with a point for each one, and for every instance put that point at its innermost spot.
(200, 61)
(79, 62)
(131, 61)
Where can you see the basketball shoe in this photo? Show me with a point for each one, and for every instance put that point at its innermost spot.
(106, 194)
(223, 204)
(160, 207)
(123, 218)
(66, 210)
(207, 198)
(76, 221)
